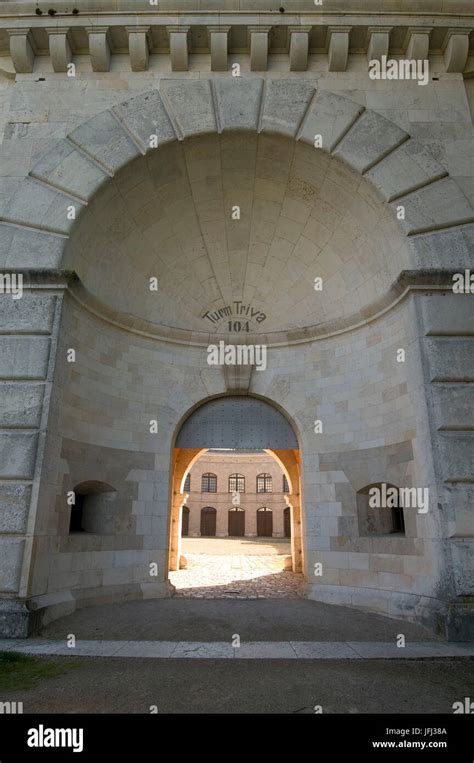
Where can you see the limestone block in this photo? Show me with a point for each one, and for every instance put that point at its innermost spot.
(369, 140)
(460, 507)
(286, 101)
(450, 359)
(139, 47)
(463, 566)
(104, 139)
(14, 506)
(258, 48)
(11, 556)
(145, 116)
(330, 117)
(99, 48)
(338, 48)
(418, 43)
(238, 103)
(23, 357)
(118, 576)
(299, 46)
(408, 167)
(29, 203)
(17, 455)
(379, 39)
(178, 37)
(191, 104)
(451, 249)
(447, 313)
(23, 248)
(20, 405)
(60, 49)
(65, 168)
(453, 406)
(31, 313)
(439, 204)
(456, 50)
(218, 44)
(456, 455)
(21, 50)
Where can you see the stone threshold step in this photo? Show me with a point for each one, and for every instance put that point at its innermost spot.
(282, 650)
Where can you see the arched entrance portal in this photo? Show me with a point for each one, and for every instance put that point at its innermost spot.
(236, 422)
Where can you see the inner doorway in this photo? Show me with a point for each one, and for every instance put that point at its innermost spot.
(185, 522)
(208, 522)
(264, 522)
(236, 522)
(232, 450)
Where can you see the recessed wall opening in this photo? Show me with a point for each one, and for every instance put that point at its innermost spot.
(374, 519)
(93, 510)
(235, 532)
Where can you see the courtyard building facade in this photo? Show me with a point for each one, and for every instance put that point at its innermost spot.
(179, 179)
(236, 494)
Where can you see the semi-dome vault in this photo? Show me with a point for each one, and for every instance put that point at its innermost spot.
(235, 195)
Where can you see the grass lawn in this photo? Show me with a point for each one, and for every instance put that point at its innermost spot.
(20, 671)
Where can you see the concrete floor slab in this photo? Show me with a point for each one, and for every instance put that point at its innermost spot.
(323, 651)
(267, 650)
(157, 649)
(216, 650)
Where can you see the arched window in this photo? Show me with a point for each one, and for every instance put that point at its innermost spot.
(208, 521)
(187, 483)
(94, 509)
(286, 487)
(264, 483)
(379, 510)
(209, 483)
(236, 483)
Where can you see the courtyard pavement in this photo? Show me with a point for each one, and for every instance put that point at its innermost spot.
(236, 568)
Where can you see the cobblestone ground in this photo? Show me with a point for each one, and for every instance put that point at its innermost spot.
(235, 571)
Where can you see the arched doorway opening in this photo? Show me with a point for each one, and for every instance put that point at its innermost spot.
(185, 523)
(264, 522)
(208, 522)
(236, 522)
(237, 423)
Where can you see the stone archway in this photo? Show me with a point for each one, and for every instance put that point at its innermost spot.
(75, 228)
(240, 422)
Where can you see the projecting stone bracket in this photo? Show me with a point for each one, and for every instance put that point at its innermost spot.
(378, 42)
(139, 47)
(219, 46)
(338, 48)
(298, 45)
(417, 43)
(456, 50)
(22, 50)
(60, 47)
(258, 45)
(99, 48)
(237, 378)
